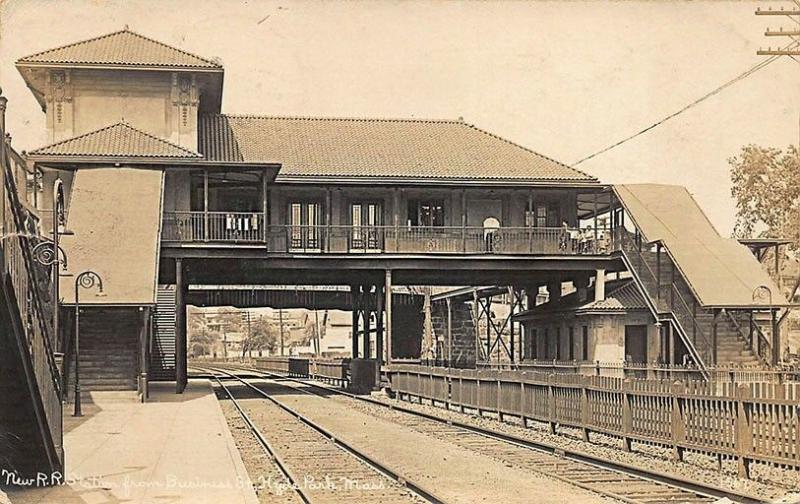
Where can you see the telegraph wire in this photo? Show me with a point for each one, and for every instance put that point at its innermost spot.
(691, 105)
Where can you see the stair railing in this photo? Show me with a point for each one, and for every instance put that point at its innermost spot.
(19, 272)
(689, 328)
(755, 339)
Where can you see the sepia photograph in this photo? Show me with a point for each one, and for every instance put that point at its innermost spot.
(399, 251)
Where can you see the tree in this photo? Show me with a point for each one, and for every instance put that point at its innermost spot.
(766, 186)
(262, 336)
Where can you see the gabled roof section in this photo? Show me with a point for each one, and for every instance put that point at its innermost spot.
(376, 148)
(120, 140)
(121, 48)
(621, 296)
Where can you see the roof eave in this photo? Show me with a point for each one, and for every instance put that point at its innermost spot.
(52, 159)
(118, 66)
(366, 180)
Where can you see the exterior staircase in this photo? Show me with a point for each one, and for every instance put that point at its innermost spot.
(31, 438)
(673, 299)
(108, 350)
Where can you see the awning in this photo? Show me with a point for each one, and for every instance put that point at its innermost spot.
(721, 271)
(115, 215)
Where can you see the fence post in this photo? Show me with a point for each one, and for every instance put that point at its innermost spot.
(627, 415)
(551, 402)
(585, 407)
(744, 429)
(499, 402)
(678, 425)
(478, 392)
(522, 400)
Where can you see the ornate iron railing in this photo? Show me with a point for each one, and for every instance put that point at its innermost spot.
(21, 273)
(249, 228)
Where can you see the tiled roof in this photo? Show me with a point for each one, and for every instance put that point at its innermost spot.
(118, 140)
(621, 296)
(375, 148)
(121, 48)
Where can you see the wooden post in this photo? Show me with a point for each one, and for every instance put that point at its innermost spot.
(585, 408)
(205, 205)
(264, 206)
(379, 325)
(180, 327)
(658, 271)
(366, 314)
(551, 403)
(714, 337)
(396, 221)
(354, 296)
(328, 217)
(464, 221)
(449, 334)
(678, 425)
(776, 338)
(744, 430)
(627, 415)
(388, 310)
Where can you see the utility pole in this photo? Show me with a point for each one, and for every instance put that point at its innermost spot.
(793, 14)
(791, 50)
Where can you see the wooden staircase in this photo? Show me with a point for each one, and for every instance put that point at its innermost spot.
(31, 437)
(108, 349)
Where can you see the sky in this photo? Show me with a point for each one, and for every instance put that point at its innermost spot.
(564, 78)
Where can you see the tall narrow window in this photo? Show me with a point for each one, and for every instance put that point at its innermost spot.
(366, 219)
(558, 343)
(305, 222)
(426, 213)
(585, 343)
(571, 350)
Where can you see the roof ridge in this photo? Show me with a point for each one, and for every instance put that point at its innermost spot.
(73, 44)
(335, 118)
(114, 125)
(515, 144)
(30, 57)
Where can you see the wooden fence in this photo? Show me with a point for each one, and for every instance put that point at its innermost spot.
(331, 370)
(747, 422)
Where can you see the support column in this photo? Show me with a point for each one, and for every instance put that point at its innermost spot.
(379, 325)
(600, 285)
(388, 301)
(354, 295)
(449, 334)
(366, 313)
(180, 327)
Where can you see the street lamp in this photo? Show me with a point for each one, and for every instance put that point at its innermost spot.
(776, 350)
(87, 280)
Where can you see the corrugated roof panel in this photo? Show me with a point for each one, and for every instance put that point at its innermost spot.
(375, 148)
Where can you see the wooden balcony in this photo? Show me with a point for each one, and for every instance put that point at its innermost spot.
(238, 228)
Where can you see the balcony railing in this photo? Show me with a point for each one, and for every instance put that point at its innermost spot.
(248, 228)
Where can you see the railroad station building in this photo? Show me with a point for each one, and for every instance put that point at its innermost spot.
(169, 199)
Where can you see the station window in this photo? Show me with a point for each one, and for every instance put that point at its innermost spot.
(571, 351)
(426, 213)
(585, 343)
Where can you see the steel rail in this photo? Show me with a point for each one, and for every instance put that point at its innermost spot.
(262, 441)
(699, 488)
(416, 488)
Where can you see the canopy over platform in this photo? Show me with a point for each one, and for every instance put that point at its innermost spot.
(721, 271)
(115, 215)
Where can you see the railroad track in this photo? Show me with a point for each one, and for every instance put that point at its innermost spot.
(612, 479)
(318, 467)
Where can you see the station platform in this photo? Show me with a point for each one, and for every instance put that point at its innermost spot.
(174, 448)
